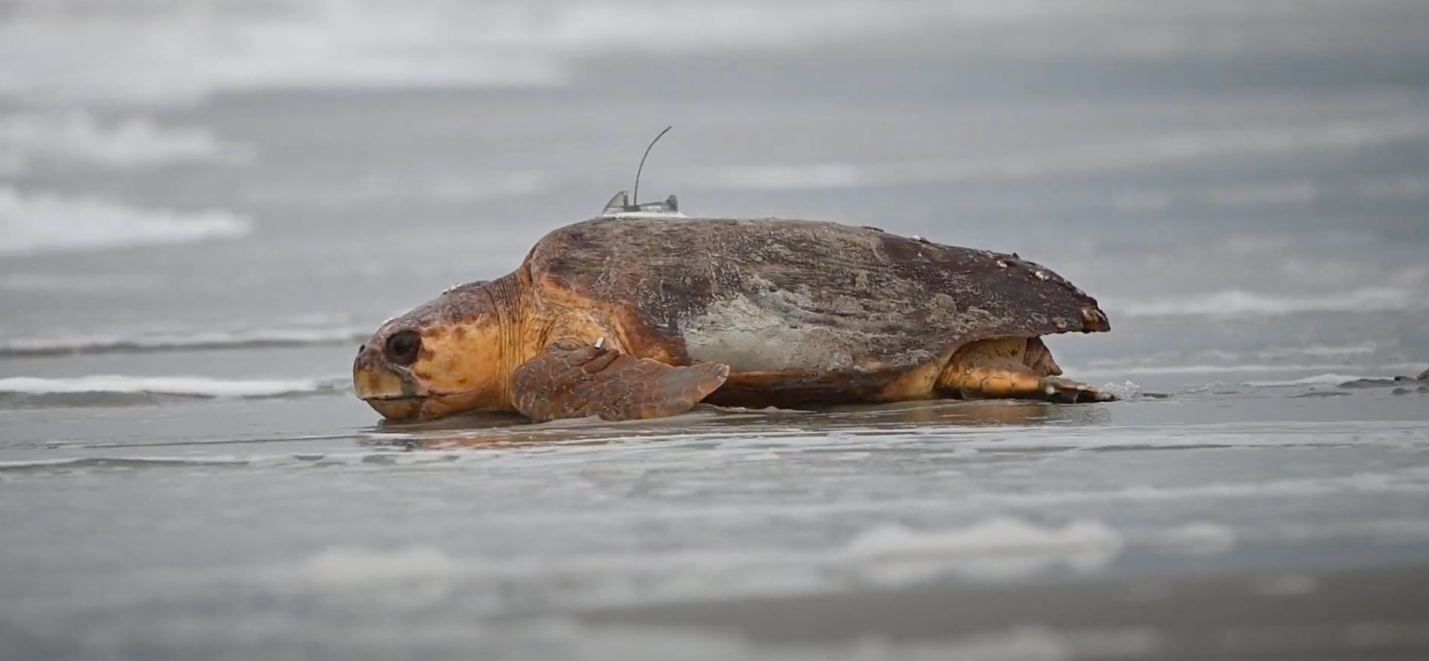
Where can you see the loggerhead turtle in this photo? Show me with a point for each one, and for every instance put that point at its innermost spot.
(643, 312)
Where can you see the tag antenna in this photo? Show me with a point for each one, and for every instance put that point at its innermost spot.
(635, 198)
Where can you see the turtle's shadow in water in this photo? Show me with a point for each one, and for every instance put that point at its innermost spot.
(496, 431)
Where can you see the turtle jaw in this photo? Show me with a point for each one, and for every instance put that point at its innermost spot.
(415, 408)
(388, 389)
(388, 393)
(393, 392)
(397, 408)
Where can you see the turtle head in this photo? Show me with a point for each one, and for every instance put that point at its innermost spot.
(442, 358)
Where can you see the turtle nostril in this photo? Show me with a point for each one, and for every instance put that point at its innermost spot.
(403, 347)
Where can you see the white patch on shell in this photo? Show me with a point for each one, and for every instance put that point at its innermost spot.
(748, 337)
(1041, 275)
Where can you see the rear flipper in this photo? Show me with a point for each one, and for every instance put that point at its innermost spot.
(1017, 381)
(571, 380)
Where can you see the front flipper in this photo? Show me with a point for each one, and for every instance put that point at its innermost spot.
(571, 380)
(1015, 381)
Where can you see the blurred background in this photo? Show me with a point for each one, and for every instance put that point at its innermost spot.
(1239, 183)
(205, 205)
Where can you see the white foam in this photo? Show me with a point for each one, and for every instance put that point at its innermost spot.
(1243, 303)
(40, 223)
(130, 462)
(192, 386)
(1149, 370)
(148, 50)
(144, 342)
(1080, 158)
(347, 566)
(132, 142)
(1198, 538)
(180, 52)
(1000, 535)
(1360, 483)
(1316, 380)
(1001, 547)
(1323, 350)
(1126, 390)
(188, 50)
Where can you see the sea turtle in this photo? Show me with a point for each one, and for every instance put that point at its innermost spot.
(642, 312)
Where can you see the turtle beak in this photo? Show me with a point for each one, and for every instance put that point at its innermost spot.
(388, 390)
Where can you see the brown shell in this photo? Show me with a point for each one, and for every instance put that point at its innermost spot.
(794, 297)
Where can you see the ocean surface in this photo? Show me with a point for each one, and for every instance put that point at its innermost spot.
(206, 206)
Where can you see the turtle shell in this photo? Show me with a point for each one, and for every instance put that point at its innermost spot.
(803, 299)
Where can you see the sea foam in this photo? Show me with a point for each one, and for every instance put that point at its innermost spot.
(891, 553)
(995, 536)
(33, 223)
(190, 50)
(1127, 369)
(78, 137)
(147, 51)
(1316, 380)
(259, 338)
(181, 386)
(1242, 303)
(1085, 158)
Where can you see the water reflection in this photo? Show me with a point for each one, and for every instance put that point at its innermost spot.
(487, 431)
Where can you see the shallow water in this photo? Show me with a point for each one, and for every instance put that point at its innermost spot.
(355, 541)
(188, 264)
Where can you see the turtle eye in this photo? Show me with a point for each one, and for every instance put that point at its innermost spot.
(403, 346)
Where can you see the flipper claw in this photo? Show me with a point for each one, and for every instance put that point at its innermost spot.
(1066, 390)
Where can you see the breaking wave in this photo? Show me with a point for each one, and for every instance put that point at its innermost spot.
(32, 223)
(1317, 380)
(192, 48)
(999, 547)
(1344, 381)
(1360, 357)
(121, 463)
(1127, 369)
(133, 142)
(116, 390)
(25, 347)
(184, 50)
(1175, 147)
(1242, 303)
(887, 554)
